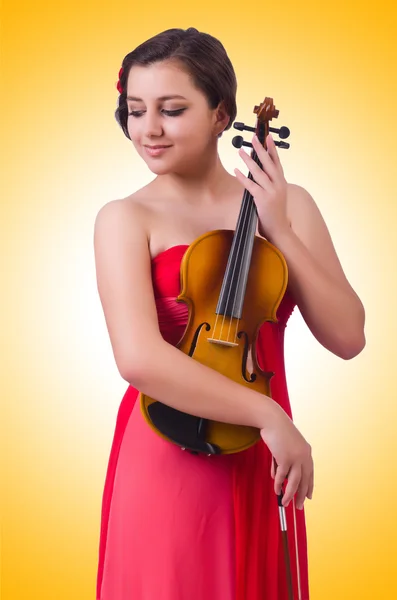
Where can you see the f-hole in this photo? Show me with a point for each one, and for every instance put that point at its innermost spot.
(196, 335)
(249, 377)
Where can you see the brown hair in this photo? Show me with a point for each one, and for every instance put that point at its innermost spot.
(203, 57)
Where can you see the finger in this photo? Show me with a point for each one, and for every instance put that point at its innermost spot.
(294, 479)
(272, 151)
(281, 474)
(266, 159)
(311, 486)
(302, 490)
(250, 185)
(273, 469)
(260, 176)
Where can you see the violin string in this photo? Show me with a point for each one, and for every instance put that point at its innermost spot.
(245, 241)
(242, 217)
(250, 208)
(246, 213)
(249, 211)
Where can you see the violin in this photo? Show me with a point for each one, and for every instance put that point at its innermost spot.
(232, 282)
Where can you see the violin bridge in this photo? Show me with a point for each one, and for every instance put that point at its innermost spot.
(223, 342)
(224, 332)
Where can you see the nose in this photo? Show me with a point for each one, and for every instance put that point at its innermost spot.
(152, 124)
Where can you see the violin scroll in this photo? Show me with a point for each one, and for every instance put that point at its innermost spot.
(265, 112)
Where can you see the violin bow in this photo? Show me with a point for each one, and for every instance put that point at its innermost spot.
(284, 535)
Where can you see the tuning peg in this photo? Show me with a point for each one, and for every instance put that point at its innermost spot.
(238, 141)
(283, 132)
(242, 127)
(282, 144)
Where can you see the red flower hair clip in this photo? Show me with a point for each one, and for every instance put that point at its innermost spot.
(119, 86)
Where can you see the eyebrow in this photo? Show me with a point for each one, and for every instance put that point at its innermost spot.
(134, 98)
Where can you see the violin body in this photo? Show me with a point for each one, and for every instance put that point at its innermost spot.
(220, 334)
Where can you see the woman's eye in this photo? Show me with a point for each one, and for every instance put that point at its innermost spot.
(169, 113)
(174, 113)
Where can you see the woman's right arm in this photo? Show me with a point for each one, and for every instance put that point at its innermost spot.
(158, 369)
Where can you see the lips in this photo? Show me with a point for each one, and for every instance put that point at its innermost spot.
(156, 150)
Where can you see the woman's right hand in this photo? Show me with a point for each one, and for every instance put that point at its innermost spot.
(293, 458)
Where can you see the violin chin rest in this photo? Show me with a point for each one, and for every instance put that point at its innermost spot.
(187, 431)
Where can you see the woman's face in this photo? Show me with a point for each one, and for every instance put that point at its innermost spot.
(170, 122)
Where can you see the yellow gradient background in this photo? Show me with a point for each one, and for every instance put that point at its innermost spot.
(331, 69)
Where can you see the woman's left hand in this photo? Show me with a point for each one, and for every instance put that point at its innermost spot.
(269, 188)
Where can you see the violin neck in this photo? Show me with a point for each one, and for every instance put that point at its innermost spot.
(231, 298)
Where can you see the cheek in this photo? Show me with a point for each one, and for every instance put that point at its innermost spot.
(177, 130)
(192, 136)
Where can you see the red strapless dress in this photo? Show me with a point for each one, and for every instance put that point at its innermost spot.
(176, 526)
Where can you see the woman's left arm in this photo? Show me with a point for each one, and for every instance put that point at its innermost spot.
(291, 220)
(329, 305)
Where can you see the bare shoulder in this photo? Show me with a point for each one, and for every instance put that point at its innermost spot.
(299, 199)
(135, 205)
(304, 214)
(116, 210)
(124, 283)
(131, 215)
(309, 226)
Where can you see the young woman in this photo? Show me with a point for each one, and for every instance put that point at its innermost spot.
(178, 526)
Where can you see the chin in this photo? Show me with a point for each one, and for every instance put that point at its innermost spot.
(159, 168)
(163, 166)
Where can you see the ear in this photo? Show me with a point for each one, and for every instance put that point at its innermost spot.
(221, 119)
